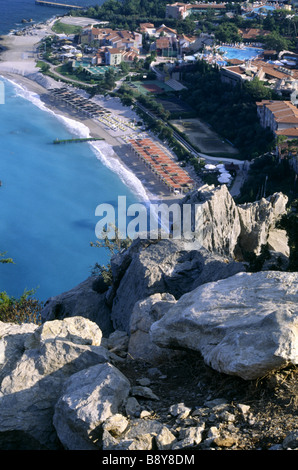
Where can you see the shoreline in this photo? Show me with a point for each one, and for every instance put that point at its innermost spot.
(22, 71)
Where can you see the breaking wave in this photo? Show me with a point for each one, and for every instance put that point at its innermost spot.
(103, 151)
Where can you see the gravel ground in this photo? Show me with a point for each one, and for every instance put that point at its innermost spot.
(238, 414)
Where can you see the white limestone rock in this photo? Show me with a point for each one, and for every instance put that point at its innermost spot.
(31, 388)
(12, 344)
(89, 398)
(217, 218)
(258, 220)
(77, 330)
(144, 314)
(245, 325)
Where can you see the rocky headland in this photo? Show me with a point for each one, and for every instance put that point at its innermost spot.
(186, 349)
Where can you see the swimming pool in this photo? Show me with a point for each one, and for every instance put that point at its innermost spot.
(264, 9)
(245, 53)
(261, 10)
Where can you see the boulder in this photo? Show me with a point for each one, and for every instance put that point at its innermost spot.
(245, 325)
(144, 314)
(77, 330)
(169, 266)
(32, 386)
(89, 398)
(277, 242)
(12, 344)
(88, 299)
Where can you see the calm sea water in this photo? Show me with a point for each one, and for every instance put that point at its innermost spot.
(50, 192)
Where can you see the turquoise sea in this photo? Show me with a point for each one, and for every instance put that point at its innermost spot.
(49, 194)
(14, 11)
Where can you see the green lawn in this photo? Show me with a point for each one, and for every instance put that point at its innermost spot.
(138, 86)
(62, 28)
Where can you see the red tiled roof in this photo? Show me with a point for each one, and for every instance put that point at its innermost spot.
(161, 164)
(253, 33)
(292, 132)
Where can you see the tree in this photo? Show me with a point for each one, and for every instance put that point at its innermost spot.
(110, 79)
(23, 310)
(113, 246)
(227, 32)
(276, 42)
(257, 90)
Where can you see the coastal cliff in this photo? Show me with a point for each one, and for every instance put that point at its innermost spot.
(177, 266)
(185, 349)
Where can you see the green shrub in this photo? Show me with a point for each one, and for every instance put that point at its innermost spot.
(22, 310)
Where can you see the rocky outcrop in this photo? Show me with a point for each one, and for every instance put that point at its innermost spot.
(258, 221)
(169, 266)
(245, 325)
(224, 234)
(216, 219)
(233, 230)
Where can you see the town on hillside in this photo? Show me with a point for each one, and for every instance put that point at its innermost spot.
(212, 79)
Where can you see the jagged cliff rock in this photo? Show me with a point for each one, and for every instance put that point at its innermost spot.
(245, 325)
(258, 220)
(217, 217)
(233, 230)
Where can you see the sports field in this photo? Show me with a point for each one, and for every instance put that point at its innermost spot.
(203, 137)
(148, 86)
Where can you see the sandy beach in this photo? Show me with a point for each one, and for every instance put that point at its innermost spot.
(18, 64)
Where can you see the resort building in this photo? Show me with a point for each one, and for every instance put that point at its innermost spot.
(113, 56)
(251, 34)
(283, 80)
(164, 47)
(280, 116)
(234, 74)
(147, 28)
(176, 10)
(182, 10)
(121, 39)
(165, 31)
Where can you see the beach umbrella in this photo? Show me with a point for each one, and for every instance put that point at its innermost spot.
(224, 178)
(220, 167)
(209, 166)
